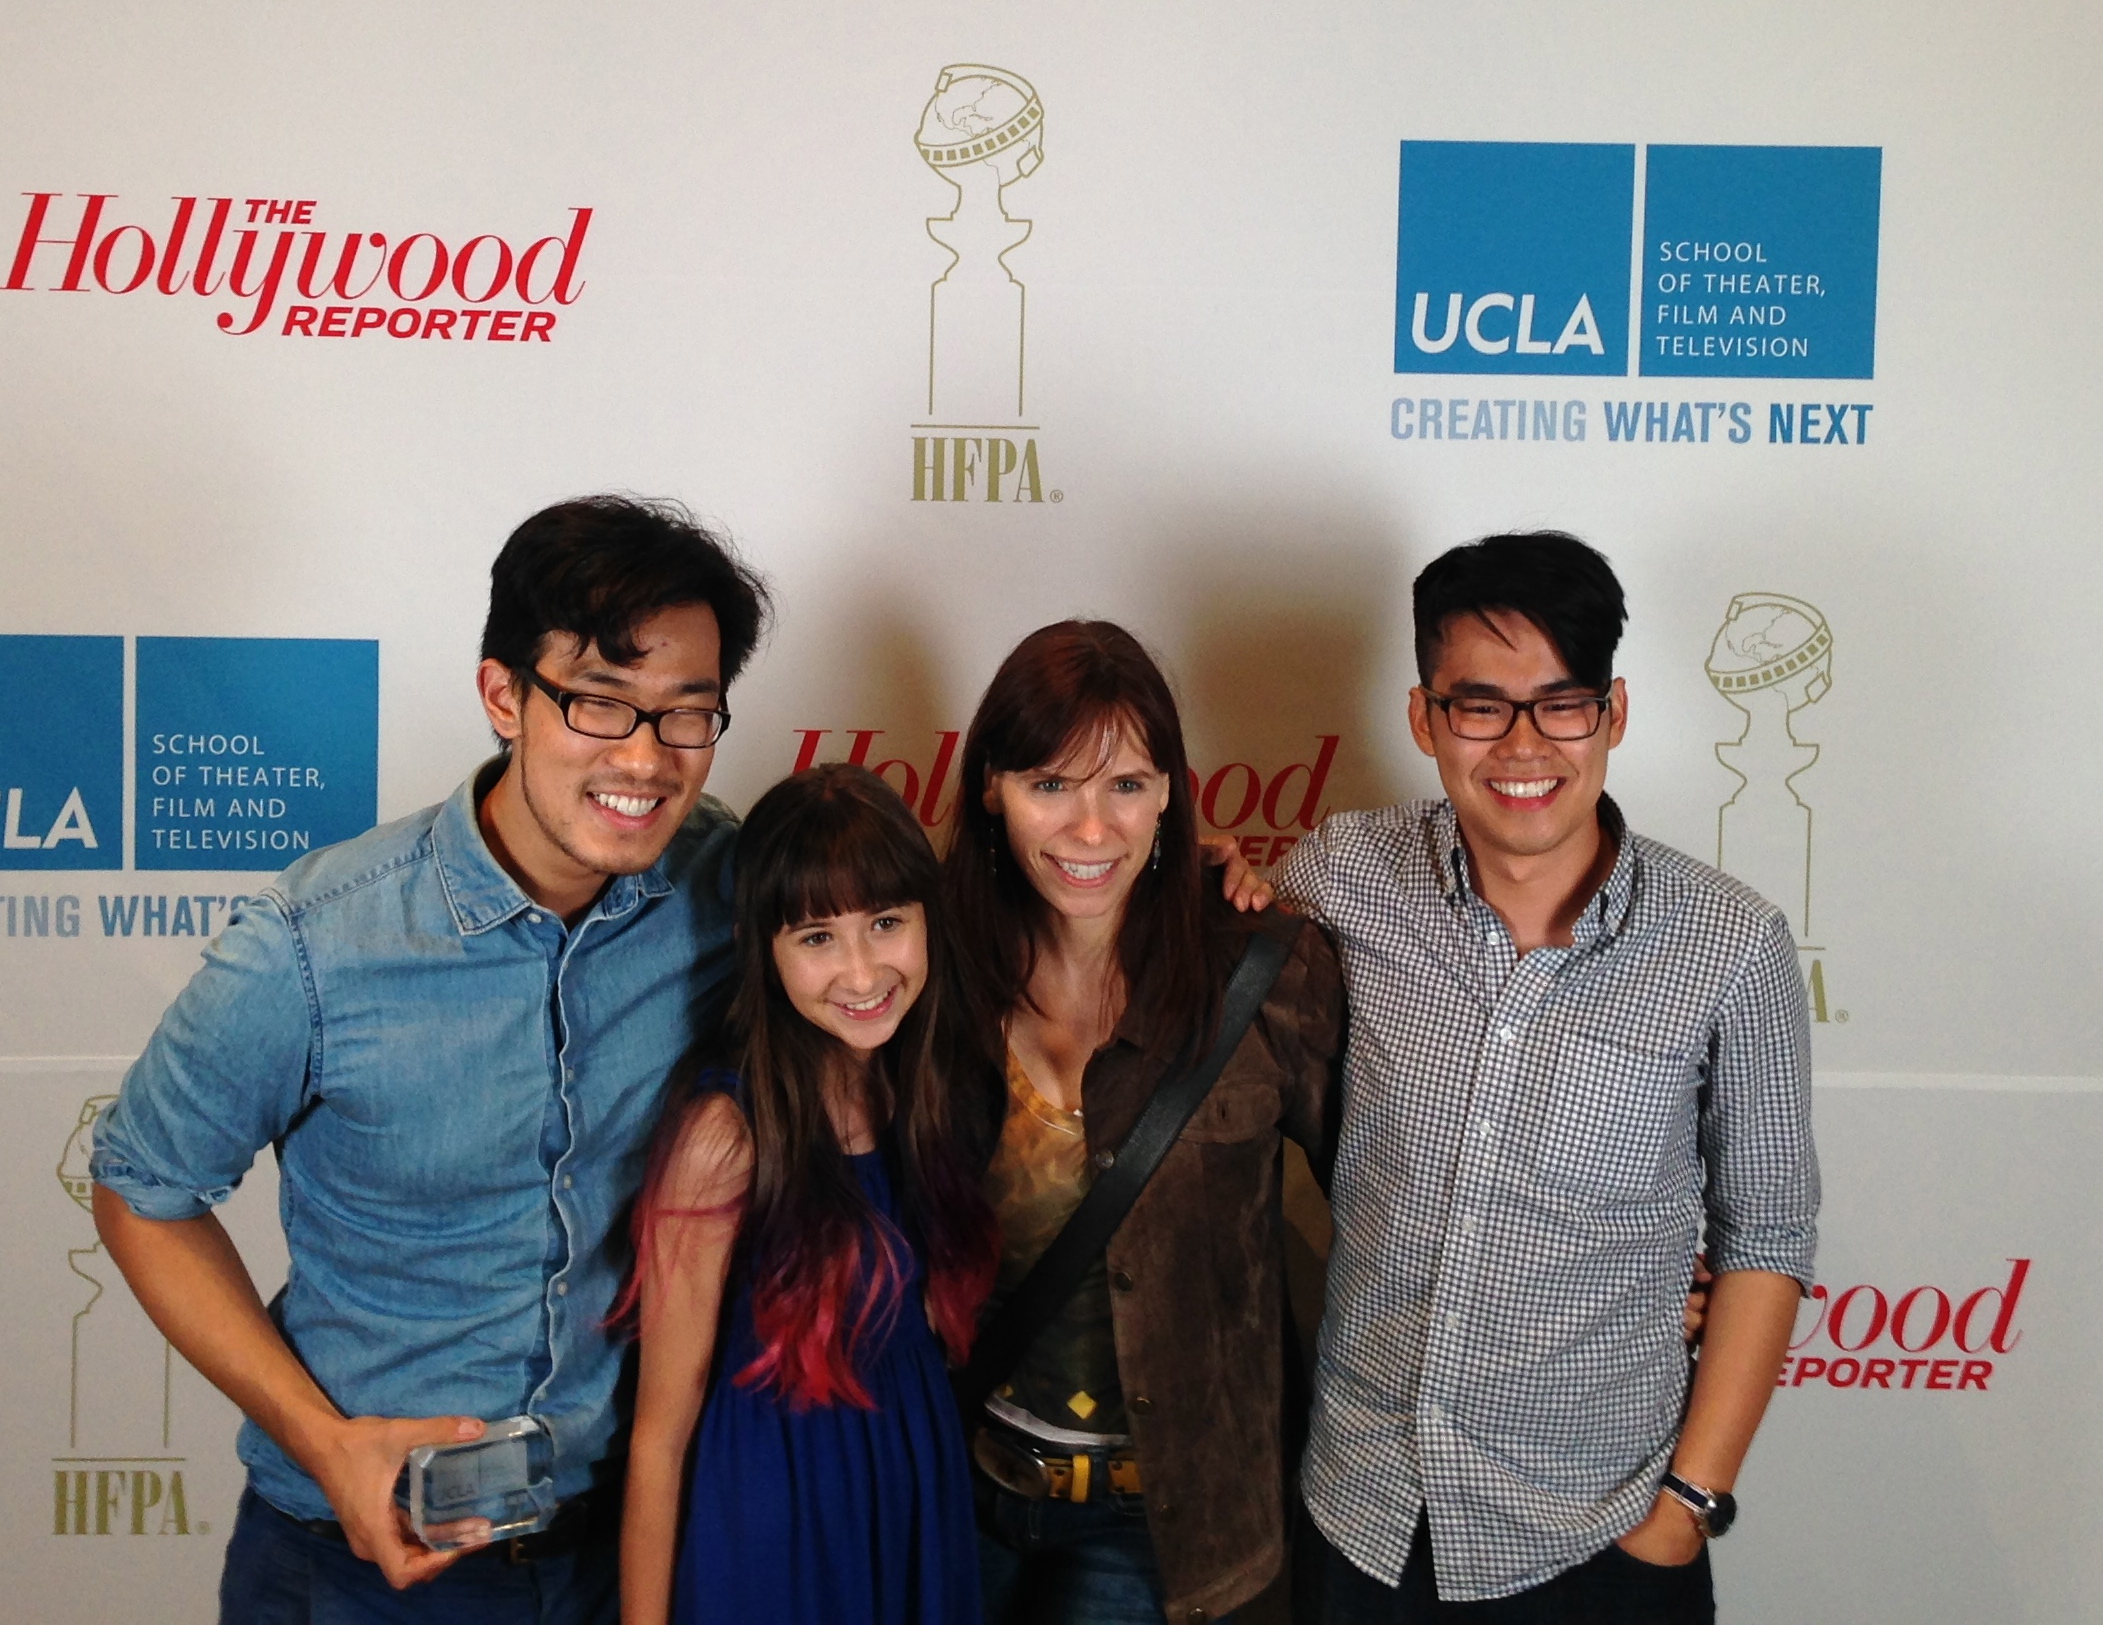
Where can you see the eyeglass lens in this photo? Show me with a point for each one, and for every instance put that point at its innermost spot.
(615, 719)
(1569, 717)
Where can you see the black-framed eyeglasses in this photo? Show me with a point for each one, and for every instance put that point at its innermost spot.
(683, 727)
(1561, 717)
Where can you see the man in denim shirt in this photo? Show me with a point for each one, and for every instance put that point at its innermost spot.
(454, 1030)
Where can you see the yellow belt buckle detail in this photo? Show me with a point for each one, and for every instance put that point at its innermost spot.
(1082, 1467)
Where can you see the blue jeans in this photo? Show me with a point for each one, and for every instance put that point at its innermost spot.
(280, 1572)
(1054, 1563)
(1609, 1588)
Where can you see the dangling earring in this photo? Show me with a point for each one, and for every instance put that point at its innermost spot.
(1154, 862)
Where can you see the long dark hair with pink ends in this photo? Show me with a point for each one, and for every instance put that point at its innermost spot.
(1061, 698)
(825, 1269)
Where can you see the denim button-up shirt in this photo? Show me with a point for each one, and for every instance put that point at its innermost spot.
(461, 1092)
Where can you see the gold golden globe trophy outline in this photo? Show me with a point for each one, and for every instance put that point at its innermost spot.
(83, 1261)
(982, 131)
(105, 1493)
(1772, 658)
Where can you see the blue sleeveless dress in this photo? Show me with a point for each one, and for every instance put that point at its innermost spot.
(833, 1515)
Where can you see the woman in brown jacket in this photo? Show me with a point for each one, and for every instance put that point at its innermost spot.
(1132, 1462)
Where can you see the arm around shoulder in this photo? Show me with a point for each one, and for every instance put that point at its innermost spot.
(1302, 878)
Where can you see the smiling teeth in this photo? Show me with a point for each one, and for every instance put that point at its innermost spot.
(868, 1005)
(627, 806)
(1084, 871)
(1525, 789)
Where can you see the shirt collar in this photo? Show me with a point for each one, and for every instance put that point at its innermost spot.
(1449, 854)
(1603, 915)
(478, 889)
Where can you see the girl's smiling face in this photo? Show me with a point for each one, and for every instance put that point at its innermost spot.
(855, 975)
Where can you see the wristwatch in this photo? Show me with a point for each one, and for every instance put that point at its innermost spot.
(1714, 1510)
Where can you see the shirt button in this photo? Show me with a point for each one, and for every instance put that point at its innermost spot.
(1453, 1320)
(1468, 1223)
(1487, 1129)
(1142, 1406)
(536, 917)
(1105, 1159)
(562, 1289)
(1506, 1034)
(569, 1182)
(1121, 1280)
(1434, 1414)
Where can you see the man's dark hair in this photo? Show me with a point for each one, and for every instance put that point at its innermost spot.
(1565, 588)
(598, 567)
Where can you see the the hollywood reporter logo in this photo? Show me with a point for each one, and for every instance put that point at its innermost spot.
(264, 250)
(1267, 812)
(1925, 1339)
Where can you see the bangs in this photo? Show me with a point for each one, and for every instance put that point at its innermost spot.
(842, 855)
(1085, 745)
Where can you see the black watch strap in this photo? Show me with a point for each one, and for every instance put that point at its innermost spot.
(1714, 1510)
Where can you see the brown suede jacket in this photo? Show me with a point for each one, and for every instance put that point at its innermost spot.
(1197, 1278)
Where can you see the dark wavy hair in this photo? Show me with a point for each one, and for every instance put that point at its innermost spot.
(1062, 692)
(596, 568)
(835, 839)
(1566, 588)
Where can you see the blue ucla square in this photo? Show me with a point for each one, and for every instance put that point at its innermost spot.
(252, 751)
(61, 753)
(1760, 262)
(1513, 257)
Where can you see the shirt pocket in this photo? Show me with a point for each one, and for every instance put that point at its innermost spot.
(1614, 1115)
(1233, 1111)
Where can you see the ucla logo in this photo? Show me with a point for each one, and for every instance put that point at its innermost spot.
(1514, 257)
(1754, 262)
(1580, 331)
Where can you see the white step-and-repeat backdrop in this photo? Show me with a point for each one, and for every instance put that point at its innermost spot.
(1217, 319)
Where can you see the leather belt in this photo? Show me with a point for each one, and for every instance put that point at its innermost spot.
(1014, 1462)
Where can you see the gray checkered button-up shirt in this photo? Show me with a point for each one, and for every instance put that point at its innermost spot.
(1530, 1154)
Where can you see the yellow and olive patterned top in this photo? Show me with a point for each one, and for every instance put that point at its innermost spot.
(1066, 1382)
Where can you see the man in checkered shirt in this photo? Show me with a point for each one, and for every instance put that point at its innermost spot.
(1577, 1058)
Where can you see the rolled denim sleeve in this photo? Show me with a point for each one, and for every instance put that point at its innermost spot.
(1762, 1168)
(223, 1076)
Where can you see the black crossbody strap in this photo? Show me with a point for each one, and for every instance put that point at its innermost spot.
(1056, 1275)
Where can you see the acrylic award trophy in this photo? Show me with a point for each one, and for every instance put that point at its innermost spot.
(506, 1477)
